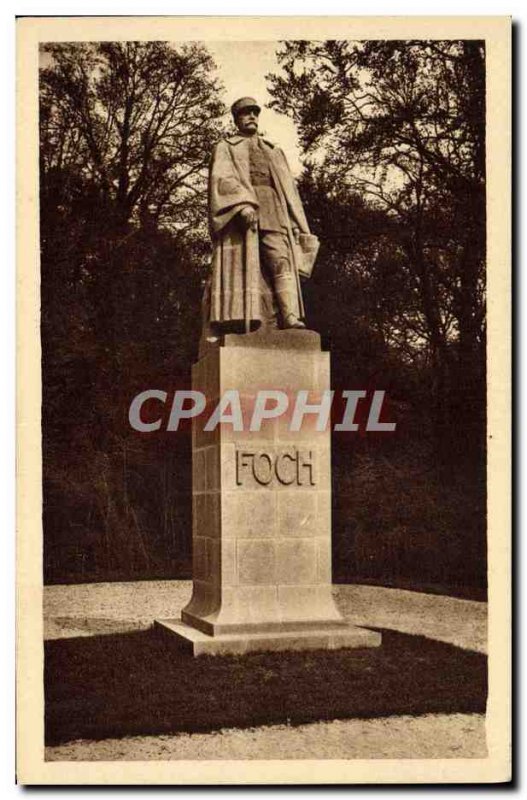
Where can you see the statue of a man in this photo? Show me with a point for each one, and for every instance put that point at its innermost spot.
(257, 222)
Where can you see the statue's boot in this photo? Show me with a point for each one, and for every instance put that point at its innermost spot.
(287, 297)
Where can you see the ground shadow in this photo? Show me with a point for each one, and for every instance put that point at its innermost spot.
(133, 684)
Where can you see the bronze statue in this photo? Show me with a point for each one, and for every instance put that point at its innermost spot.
(261, 238)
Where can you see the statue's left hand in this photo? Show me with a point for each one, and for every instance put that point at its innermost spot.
(296, 234)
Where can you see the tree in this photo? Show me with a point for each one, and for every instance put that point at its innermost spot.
(402, 125)
(126, 130)
(134, 123)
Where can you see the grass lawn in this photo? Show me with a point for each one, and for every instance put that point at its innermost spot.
(132, 684)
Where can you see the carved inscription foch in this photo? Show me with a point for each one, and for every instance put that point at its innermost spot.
(289, 467)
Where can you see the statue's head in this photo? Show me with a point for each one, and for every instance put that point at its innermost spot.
(245, 112)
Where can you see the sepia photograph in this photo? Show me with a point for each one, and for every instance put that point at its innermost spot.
(266, 281)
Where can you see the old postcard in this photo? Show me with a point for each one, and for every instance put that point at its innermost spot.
(264, 400)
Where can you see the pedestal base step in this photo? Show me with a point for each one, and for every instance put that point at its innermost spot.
(199, 643)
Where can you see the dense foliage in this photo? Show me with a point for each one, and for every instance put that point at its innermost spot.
(393, 137)
(126, 132)
(393, 144)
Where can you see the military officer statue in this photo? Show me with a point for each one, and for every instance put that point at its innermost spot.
(261, 238)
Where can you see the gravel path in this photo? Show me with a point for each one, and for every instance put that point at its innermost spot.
(428, 736)
(87, 609)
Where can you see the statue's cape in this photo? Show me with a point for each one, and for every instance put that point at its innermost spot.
(237, 285)
(230, 184)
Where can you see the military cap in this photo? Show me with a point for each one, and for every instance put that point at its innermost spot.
(244, 103)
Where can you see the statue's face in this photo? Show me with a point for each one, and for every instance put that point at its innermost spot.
(247, 120)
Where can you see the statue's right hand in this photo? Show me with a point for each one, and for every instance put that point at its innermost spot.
(249, 217)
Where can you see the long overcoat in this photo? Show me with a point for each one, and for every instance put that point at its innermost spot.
(238, 290)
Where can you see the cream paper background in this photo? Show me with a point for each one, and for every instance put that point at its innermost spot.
(31, 767)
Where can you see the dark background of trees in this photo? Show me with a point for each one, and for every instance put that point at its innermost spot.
(393, 141)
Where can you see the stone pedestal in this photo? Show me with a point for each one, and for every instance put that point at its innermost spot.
(262, 508)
